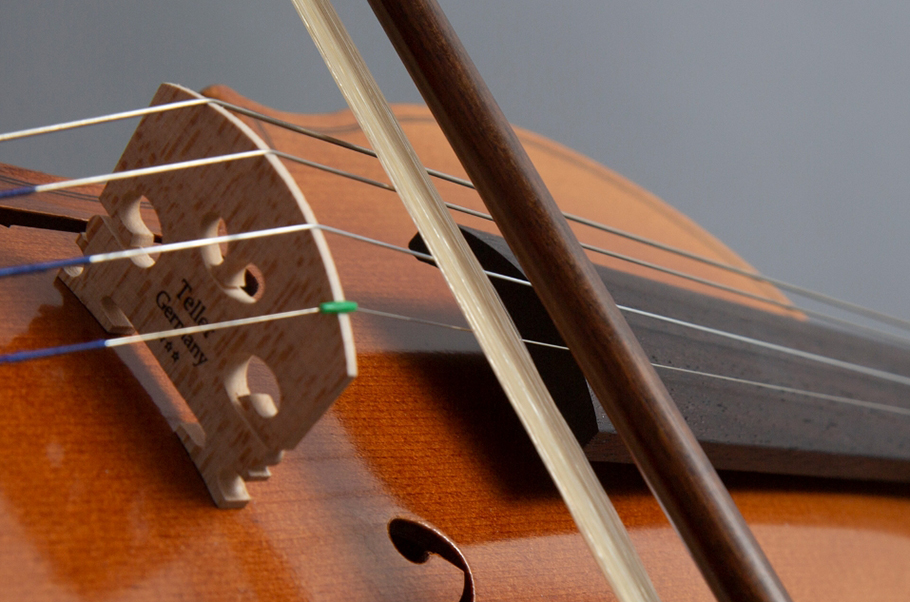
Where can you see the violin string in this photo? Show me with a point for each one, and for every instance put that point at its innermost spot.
(257, 153)
(173, 247)
(799, 290)
(111, 343)
(283, 230)
(110, 117)
(163, 108)
(806, 355)
(179, 246)
(238, 156)
(783, 349)
(743, 381)
(793, 288)
(130, 173)
(72, 183)
(13, 270)
(44, 266)
(180, 165)
(871, 405)
(45, 352)
(164, 168)
(869, 330)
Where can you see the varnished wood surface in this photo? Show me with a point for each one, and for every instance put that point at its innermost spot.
(98, 500)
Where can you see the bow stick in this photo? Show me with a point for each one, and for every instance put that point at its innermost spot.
(609, 355)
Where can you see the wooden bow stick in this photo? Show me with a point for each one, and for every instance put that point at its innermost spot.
(610, 357)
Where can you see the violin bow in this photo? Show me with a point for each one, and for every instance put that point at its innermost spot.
(597, 520)
(612, 360)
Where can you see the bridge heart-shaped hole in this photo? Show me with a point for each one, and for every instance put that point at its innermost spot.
(243, 282)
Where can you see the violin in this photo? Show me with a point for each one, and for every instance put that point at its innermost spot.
(412, 532)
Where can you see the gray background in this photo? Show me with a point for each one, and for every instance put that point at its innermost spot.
(781, 127)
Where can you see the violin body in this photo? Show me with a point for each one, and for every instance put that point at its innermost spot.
(420, 459)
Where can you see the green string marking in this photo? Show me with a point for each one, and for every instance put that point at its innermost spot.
(338, 307)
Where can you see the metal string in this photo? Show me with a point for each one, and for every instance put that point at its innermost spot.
(871, 405)
(97, 344)
(34, 354)
(793, 288)
(72, 183)
(743, 381)
(171, 247)
(179, 165)
(110, 117)
(16, 270)
(244, 155)
(282, 230)
(802, 291)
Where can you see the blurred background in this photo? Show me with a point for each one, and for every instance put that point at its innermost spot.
(781, 127)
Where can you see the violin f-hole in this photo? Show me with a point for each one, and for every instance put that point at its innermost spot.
(416, 541)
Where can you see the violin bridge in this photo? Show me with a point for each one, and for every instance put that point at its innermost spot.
(310, 359)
